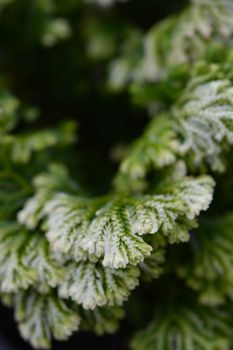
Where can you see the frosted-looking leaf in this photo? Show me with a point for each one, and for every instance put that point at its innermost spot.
(111, 235)
(49, 272)
(116, 230)
(93, 285)
(32, 212)
(76, 229)
(43, 317)
(113, 232)
(25, 259)
(185, 328)
(68, 220)
(204, 119)
(195, 193)
(14, 272)
(46, 184)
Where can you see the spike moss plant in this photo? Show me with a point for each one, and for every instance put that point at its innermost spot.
(86, 242)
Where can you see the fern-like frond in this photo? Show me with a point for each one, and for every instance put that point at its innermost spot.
(178, 40)
(14, 271)
(26, 260)
(198, 129)
(45, 184)
(93, 285)
(23, 146)
(50, 273)
(68, 220)
(112, 231)
(185, 328)
(204, 117)
(155, 149)
(185, 38)
(43, 317)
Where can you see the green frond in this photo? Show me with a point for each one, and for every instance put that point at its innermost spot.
(43, 317)
(195, 193)
(14, 271)
(26, 260)
(185, 328)
(197, 129)
(178, 40)
(93, 285)
(50, 273)
(45, 184)
(70, 259)
(32, 212)
(74, 226)
(113, 235)
(23, 146)
(102, 320)
(204, 117)
(210, 271)
(68, 220)
(116, 231)
(155, 149)
(185, 38)
(112, 231)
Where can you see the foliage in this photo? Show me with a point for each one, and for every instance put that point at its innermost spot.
(77, 236)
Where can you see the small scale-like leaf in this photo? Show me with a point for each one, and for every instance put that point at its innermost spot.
(92, 285)
(42, 317)
(14, 272)
(26, 259)
(113, 232)
(204, 118)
